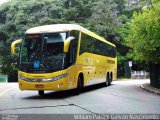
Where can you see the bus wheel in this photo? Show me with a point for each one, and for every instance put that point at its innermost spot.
(110, 79)
(107, 80)
(79, 86)
(41, 92)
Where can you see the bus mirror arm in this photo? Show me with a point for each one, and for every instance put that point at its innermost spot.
(67, 43)
(13, 46)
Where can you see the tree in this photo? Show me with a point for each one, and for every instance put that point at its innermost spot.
(144, 39)
(77, 10)
(16, 16)
(144, 36)
(104, 17)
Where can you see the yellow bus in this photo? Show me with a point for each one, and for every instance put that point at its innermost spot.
(63, 57)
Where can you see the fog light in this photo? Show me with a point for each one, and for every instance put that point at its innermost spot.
(60, 85)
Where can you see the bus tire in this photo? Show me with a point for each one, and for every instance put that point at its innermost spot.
(110, 79)
(41, 92)
(79, 86)
(107, 80)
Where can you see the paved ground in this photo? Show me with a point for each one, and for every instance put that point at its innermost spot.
(122, 97)
(149, 88)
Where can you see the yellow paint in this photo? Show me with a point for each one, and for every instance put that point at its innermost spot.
(66, 44)
(13, 46)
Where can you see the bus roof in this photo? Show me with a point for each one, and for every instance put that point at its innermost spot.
(63, 28)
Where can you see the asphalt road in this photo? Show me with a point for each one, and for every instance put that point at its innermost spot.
(122, 97)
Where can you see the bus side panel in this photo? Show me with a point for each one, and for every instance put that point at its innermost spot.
(96, 67)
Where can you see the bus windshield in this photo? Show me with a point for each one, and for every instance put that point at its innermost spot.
(42, 52)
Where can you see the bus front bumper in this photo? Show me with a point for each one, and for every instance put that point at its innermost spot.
(61, 84)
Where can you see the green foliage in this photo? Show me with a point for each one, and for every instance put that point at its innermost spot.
(144, 35)
(77, 10)
(155, 1)
(104, 17)
(132, 6)
(19, 15)
(8, 68)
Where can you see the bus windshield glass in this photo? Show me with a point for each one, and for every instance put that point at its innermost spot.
(42, 52)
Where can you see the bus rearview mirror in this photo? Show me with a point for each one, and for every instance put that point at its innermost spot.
(67, 43)
(13, 46)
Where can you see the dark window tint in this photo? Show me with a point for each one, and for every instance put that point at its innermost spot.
(71, 55)
(91, 45)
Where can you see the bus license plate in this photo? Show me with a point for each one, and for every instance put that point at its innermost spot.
(39, 86)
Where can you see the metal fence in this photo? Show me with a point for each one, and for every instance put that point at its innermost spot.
(139, 74)
(3, 78)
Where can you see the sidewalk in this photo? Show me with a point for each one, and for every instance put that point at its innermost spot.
(149, 88)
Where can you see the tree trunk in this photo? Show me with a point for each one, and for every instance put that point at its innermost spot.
(155, 75)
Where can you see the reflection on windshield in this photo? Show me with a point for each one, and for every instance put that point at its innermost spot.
(43, 52)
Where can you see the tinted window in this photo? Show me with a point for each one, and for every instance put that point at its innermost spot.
(71, 55)
(91, 45)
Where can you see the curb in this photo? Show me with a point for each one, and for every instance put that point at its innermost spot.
(149, 90)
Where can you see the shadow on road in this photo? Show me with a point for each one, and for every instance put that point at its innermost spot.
(65, 94)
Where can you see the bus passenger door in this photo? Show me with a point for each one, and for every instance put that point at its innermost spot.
(71, 61)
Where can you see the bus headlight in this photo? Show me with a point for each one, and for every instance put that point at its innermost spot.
(24, 78)
(43, 79)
